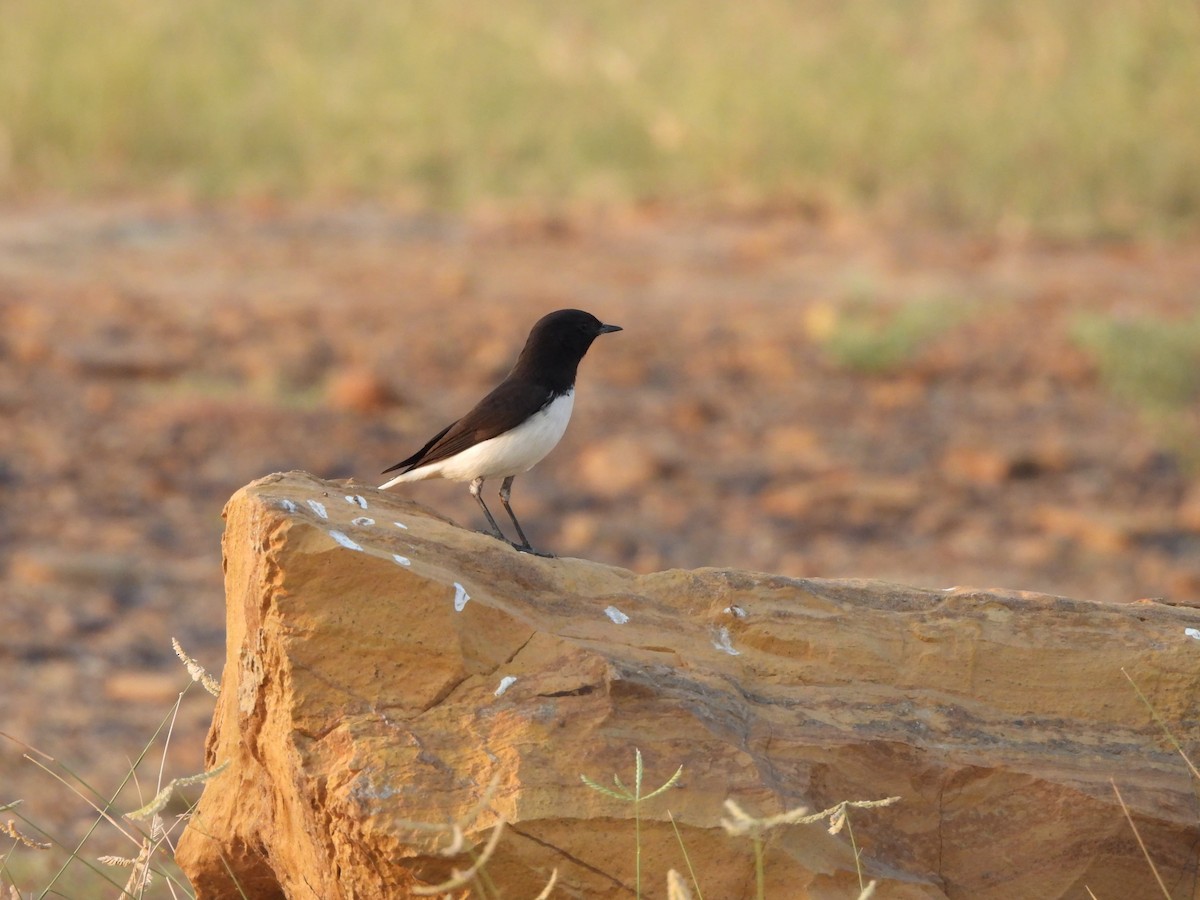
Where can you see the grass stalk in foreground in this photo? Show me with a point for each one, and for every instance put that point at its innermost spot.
(687, 858)
(637, 798)
(1142, 844)
(1163, 725)
(98, 802)
(153, 845)
(476, 874)
(1158, 719)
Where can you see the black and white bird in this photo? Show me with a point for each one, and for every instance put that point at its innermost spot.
(513, 428)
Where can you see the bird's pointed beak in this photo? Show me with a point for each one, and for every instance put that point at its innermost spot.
(605, 329)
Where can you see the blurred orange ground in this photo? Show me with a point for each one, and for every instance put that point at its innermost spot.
(155, 359)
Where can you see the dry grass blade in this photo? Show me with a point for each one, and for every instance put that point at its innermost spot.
(484, 802)
(63, 781)
(549, 886)
(458, 844)
(458, 840)
(25, 746)
(1161, 724)
(100, 803)
(1141, 843)
(459, 878)
(457, 830)
(868, 891)
(687, 857)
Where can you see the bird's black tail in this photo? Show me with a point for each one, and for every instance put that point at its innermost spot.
(413, 461)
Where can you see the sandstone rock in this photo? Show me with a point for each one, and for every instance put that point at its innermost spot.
(380, 674)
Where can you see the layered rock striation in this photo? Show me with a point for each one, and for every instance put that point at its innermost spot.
(384, 667)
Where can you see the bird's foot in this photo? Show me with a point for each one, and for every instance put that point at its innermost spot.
(526, 548)
(523, 548)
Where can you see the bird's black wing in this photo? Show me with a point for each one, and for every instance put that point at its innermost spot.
(506, 407)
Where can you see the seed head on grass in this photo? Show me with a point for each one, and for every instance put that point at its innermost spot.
(635, 795)
(197, 671)
(637, 798)
(10, 828)
(742, 823)
(164, 796)
(141, 876)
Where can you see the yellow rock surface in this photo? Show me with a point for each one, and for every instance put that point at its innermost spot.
(384, 665)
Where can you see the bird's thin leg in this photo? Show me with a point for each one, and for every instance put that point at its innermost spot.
(505, 494)
(496, 532)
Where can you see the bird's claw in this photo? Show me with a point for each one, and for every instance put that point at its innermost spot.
(526, 548)
(522, 548)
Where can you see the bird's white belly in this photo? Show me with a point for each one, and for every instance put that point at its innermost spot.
(513, 452)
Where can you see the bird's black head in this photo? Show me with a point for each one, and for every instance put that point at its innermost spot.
(557, 343)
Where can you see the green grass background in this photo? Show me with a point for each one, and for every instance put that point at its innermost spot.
(1067, 116)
